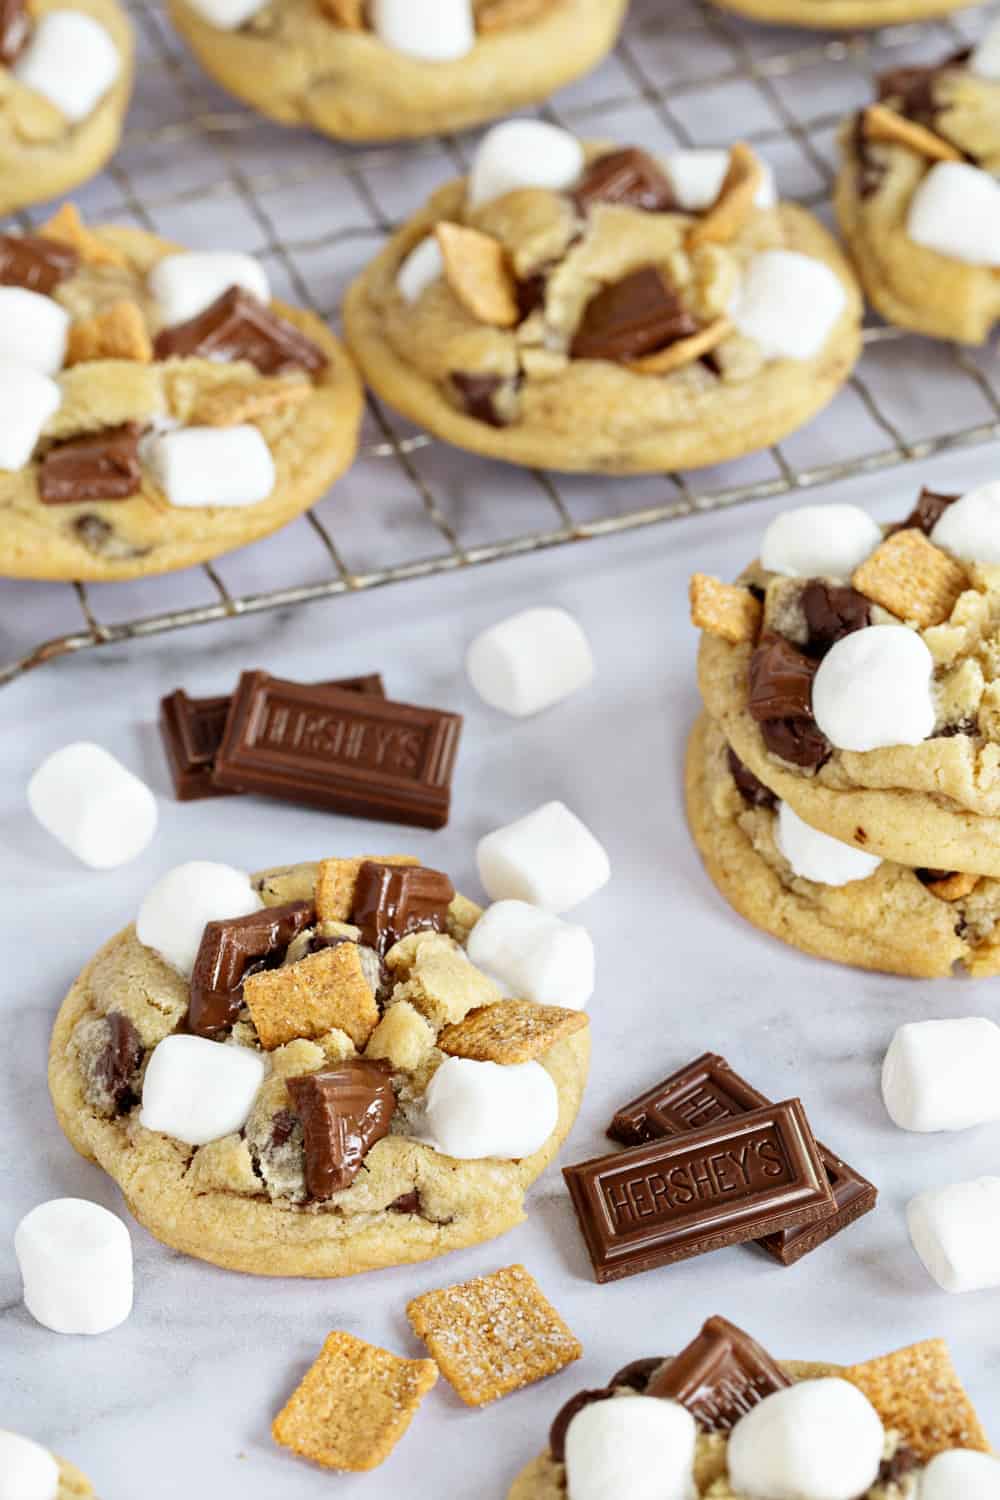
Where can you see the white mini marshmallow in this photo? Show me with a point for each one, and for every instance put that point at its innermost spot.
(956, 211)
(213, 466)
(631, 1448)
(227, 15)
(198, 1091)
(961, 1475)
(697, 177)
(956, 1232)
(481, 1109)
(819, 541)
(186, 283)
(422, 267)
(529, 661)
(548, 858)
(33, 330)
(93, 805)
(534, 955)
(431, 30)
(818, 1440)
(970, 528)
(873, 689)
(816, 856)
(76, 1265)
(985, 59)
(27, 1471)
(523, 154)
(789, 304)
(174, 914)
(72, 60)
(943, 1075)
(27, 401)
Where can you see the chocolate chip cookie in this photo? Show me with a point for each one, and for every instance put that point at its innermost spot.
(851, 14)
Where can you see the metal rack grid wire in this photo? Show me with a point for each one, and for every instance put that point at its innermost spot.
(196, 165)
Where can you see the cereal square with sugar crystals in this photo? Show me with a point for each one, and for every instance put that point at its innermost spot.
(325, 991)
(493, 1335)
(353, 1405)
(336, 879)
(912, 578)
(512, 1031)
(917, 1392)
(119, 332)
(724, 609)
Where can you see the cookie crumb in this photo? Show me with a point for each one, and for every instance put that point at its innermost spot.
(917, 1392)
(724, 609)
(511, 1031)
(912, 579)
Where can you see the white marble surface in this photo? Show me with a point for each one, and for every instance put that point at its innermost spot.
(178, 1402)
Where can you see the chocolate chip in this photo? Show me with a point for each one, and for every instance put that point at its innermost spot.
(631, 318)
(753, 791)
(99, 537)
(391, 901)
(871, 171)
(282, 1128)
(630, 177)
(101, 466)
(117, 1065)
(409, 1203)
(832, 612)
(927, 512)
(637, 1375)
(559, 1428)
(798, 741)
(481, 395)
(237, 326)
(344, 1112)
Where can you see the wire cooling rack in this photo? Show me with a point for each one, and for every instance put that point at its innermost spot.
(197, 167)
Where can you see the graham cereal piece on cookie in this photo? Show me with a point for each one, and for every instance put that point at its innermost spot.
(235, 402)
(68, 228)
(511, 1031)
(912, 578)
(685, 351)
(336, 879)
(724, 609)
(497, 15)
(917, 1392)
(119, 332)
(347, 13)
(493, 1335)
(476, 268)
(953, 887)
(883, 124)
(353, 1405)
(735, 202)
(437, 978)
(324, 991)
(403, 1038)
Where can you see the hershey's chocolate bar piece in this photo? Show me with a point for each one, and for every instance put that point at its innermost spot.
(344, 752)
(237, 326)
(30, 260)
(102, 466)
(781, 679)
(393, 900)
(228, 951)
(192, 730)
(344, 1111)
(719, 1377)
(735, 1180)
(632, 317)
(629, 176)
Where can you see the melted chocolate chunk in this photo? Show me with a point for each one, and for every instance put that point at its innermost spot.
(391, 901)
(102, 466)
(344, 1111)
(781, 679)
(832, 612)
(229, 951)
(560, 1427)
(530, 292)
(237, 326)
(913, 90)
(630, 176)
(900, 1466)
(30, 260)
(871, 173)
(927, 512)
(282, 1128)
(15, 29)
(798, 741)
(637, 1375)
(753, 791)
(117, 1066)
(631, 318)
(479, 394)
(409, 1203)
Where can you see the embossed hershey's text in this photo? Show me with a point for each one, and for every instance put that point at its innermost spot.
(645, 1196)
(343, 739)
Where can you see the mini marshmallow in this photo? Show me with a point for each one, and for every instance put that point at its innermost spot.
(970, 528)
(631, 1448)
(956, 211)
(956, 1233)
(71, 60)
(93, 805)
(789, 304)
(972, 1476)
(873, 689)
(530, 661)
(198, 1091)
(943, 1075)
(27, 1471)
(33, 330)
(819, 541)
(432, 30)
(816, 856)
(27, 401)
(523, 154)
(985, 59)
(213, 466)
(421, 268)
(534, 955)
(548, 858)
(76, 1265)
(175, 912)
(817, 1440)
(186, 283)
(697, 177)
(227, 15)
(481, 1109)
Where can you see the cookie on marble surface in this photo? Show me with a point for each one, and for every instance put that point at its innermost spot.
(834, 14)
(917, 196)
(325, 1168)
(589, 308)
(320, 63)
(174, 412)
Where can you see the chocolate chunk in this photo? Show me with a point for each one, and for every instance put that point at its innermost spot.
(15, 30)
(871, 171)
(408, 1203)
(102, 466)
(798, 741)
(933, 877)
(560, 1427)
(530, 292)
(344, 1111)
(391, 901)
(479, 396)
(117, 1066)
(282, 1128)
(629, 176)
(780, 700)
(719, 1377)
(637, 1375)
(100, 537)
(912, 90)
(237, 326)
(30, 260)
(832, 612)
(927, 512)
(632, 317)
(227, 951)
(344, 752)
(900, 1466)
(751, 789)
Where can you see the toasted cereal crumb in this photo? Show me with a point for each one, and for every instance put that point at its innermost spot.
(724, 609)
(684, 351)
(307, 999)
(735, 202)
(227, 405)
(497, 15)
(912, 578)
(883, 124)
(511, 1031)
(348, 13)
(336, 879)
(119, 332)
(917, 1392)
(953, 887)
(477, 270)
(68, 228)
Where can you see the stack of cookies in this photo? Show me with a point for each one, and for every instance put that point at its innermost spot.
(843, 785)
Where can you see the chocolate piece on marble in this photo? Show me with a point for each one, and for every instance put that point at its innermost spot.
(238, 326)
(719, 1377)
(30, 260)
(229, 950)
(344, 1111)
(101, 466)
(629, 176)
(391, 901)
(631, 318)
